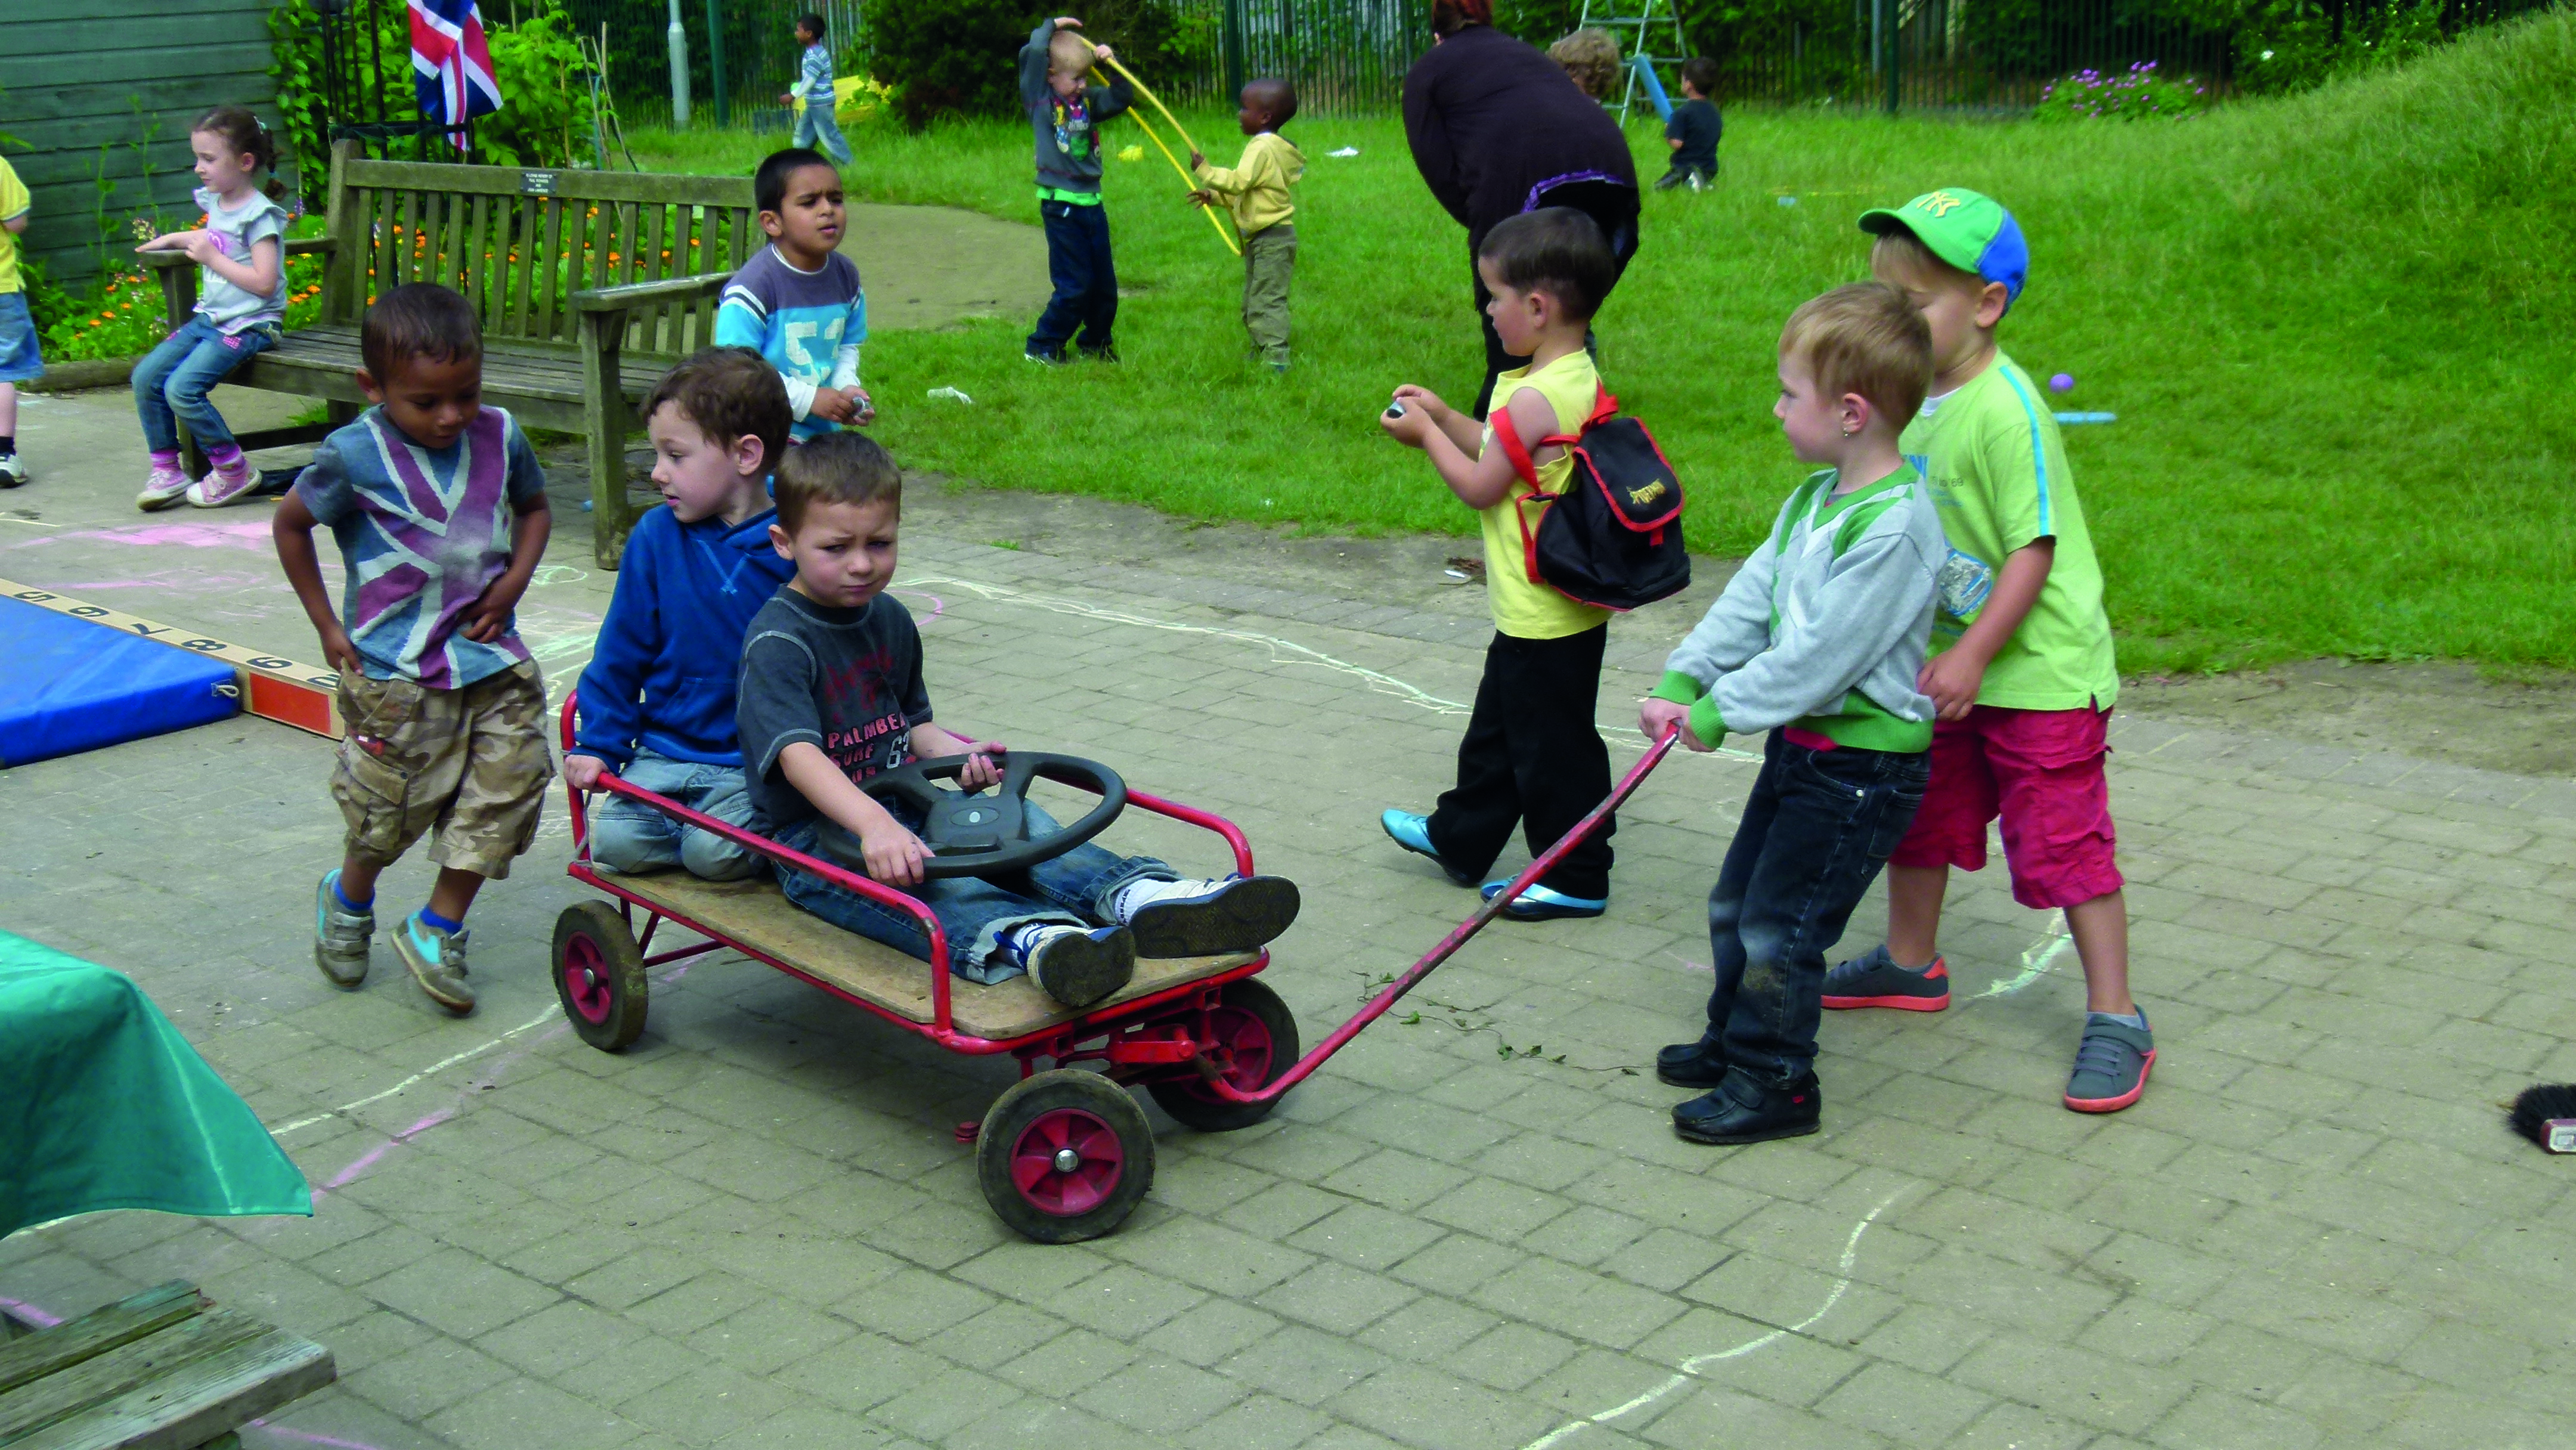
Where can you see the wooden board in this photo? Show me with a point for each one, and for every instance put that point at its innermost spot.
(273, 687)
(756, 912)
(163, 1370)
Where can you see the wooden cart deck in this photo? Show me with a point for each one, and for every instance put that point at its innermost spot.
(756, 913)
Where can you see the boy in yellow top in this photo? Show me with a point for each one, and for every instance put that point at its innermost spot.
(1256, 191)
(18, 360)
(1531, 754)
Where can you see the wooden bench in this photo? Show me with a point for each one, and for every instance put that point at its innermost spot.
(164, 1370)
(758, 913)
(589, 285)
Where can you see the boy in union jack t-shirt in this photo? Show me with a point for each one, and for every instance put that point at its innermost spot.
(439, 509)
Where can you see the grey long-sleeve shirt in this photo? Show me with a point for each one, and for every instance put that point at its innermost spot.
(1826, 625)
(1067, 130)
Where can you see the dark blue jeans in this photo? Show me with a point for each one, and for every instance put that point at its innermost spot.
(1816, 830)
(1086, 281)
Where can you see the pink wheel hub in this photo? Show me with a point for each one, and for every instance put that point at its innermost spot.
(1067, 1162)
(585, 977)
(1245, 1039)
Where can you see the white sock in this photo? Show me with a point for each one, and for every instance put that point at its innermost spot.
(1135, 896)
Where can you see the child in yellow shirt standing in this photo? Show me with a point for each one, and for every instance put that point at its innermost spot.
(1256, 191)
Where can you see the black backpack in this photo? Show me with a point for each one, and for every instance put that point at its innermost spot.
(1613, 538)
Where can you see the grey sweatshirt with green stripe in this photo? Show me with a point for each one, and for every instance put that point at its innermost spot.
(1825, 627)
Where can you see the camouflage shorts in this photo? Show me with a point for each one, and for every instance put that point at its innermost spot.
(469, 765)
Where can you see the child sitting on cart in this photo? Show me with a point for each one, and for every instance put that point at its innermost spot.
(831, 694)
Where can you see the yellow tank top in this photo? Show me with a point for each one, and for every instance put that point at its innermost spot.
(1523, 607)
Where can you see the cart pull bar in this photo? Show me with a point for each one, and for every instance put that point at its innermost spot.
(1413, 975)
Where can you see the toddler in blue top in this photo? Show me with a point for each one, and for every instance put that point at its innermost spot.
(657, 701)
(797, 302)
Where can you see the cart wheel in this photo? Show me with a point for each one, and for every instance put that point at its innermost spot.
(1255, 1027)
(1065, 1156)
(599, 975)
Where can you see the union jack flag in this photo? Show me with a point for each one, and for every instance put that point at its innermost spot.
(451, 65)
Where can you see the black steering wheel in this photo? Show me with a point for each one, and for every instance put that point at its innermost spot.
(975, 834)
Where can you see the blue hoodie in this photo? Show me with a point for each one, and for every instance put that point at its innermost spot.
(662, 673)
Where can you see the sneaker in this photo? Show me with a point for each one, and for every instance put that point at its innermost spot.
(1075, 965)
(1205, 918)
(1413, 833)
(1740, 1111)
(437, 962)
(1875, 980)
(166, 486)
(12, 472)
(2111, 1065)
(1541, 903)
(1101, 354)
(340, 936)
(1700, 1064)
(225, 485)
(1054, 359)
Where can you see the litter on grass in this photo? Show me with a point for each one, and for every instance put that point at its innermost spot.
(1345, 151)
(1132, 153)
(952, 393)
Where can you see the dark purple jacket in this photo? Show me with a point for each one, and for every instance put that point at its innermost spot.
(1491, 118)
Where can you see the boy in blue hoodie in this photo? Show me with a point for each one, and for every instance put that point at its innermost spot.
(657, 700)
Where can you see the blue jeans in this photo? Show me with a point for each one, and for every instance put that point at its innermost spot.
(628, 835)
(171, 383)
(1816, 830)
(815, 127)
(19, 360)
(1074, 889)
(1086, 281)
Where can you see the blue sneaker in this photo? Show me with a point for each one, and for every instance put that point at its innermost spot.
(1413, 833)
(437, 962)
(1539, 903)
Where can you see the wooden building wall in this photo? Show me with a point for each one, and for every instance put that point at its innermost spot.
(82, 83)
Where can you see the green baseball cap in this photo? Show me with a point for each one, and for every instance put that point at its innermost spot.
(1966, 229)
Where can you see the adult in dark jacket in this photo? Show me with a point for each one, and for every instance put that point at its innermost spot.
(1497, 129)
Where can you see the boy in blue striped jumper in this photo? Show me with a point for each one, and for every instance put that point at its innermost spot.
(798, 302)
(812, 94)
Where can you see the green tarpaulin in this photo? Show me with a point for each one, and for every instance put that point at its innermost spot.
(104, 1105)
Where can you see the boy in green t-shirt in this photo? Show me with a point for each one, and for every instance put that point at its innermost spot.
(2022, 667)
(19, 362)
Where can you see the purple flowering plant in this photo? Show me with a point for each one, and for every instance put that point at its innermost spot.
(2139, 93)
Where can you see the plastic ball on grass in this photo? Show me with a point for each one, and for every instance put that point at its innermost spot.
(2062, 383)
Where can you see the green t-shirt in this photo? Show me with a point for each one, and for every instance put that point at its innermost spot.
(2000, 481)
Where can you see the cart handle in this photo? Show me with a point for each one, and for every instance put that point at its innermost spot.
(1448, 945)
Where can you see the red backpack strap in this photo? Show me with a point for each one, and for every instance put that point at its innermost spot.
(1508, 434)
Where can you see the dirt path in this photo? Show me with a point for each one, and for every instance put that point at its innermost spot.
(929, 266)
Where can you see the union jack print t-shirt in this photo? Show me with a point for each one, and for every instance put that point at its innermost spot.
(423, 532)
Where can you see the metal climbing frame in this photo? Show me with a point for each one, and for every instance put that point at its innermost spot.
(1636, 35)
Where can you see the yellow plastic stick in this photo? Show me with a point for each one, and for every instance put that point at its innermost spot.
(1187, 180)
(1177, 128)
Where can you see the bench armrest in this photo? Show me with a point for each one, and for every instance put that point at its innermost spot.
(295, 247)
(645, 294)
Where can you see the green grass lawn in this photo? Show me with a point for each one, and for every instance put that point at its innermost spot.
(2337, 330)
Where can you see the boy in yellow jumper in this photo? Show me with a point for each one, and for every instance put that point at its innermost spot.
(1256, 191)
(1532, 755)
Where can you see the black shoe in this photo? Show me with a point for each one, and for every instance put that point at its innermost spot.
(1721, 1116)
(1101, 354)
(1050, 359)
(1700, 1064)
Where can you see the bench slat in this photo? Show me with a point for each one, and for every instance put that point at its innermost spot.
(199, 1402)
(101, 1377)
(50, 1351)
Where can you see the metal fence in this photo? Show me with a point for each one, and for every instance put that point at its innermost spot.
(751, 44)
(1345, 56)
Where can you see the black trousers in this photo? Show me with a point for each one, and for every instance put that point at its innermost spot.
(1086, 280)
(1610, 203)
(1533, 758)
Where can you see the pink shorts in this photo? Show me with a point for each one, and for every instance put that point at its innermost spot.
(2041, 770)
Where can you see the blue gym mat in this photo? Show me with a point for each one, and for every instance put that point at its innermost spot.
(68, 685)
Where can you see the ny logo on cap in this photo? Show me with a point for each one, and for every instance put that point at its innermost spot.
(1939, 203)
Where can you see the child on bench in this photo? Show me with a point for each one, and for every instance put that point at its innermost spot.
(831, 693)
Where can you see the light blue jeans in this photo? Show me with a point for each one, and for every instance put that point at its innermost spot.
(1074, 889)
(628, 835)
(171, 383)
(816, 128)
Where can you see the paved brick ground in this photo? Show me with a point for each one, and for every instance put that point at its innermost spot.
(754, 1228)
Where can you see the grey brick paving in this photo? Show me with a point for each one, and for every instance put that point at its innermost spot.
(755, 1228)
